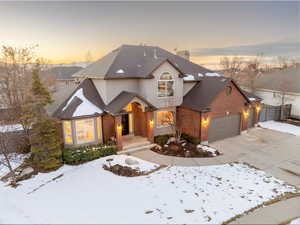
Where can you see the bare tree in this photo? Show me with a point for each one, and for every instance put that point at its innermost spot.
(232, 66)
(6, 148)
(252, 71)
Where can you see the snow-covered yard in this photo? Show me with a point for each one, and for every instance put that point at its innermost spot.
(282, 127)
(89, 194)
(295, 222)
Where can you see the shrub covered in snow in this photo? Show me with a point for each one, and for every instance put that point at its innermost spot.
(87, 153)
(162, 139)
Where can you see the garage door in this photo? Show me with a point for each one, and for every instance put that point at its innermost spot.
(224, 127)
(251, 118)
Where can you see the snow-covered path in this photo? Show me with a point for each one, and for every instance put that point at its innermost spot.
(89, 194)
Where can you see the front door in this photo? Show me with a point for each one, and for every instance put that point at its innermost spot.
(125, 124)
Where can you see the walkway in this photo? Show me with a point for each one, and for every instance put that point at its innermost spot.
(276, 213)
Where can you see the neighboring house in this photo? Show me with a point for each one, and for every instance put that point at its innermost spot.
(281, 87)
(63, 75)
(134, 90)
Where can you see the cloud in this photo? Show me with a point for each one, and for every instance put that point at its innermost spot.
(287, 47)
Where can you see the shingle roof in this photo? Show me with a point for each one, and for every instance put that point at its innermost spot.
(83, 102)
(133, 61)
(251, 97)
(288, 78)
(204, 92)
(64, 72)
(118, 103)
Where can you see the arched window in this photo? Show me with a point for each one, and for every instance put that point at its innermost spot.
(166, 85)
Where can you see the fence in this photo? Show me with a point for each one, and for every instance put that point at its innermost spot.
(270, 112)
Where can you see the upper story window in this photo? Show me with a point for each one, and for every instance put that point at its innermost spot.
(166, 85)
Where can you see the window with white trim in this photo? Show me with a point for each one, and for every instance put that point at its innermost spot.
(165, 85)
(164, 118)
(85, 131)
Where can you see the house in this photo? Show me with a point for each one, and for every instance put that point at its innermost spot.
(132, 90)
(281, 87)
(63, 75)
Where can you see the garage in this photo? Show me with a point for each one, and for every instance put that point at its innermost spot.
(224, 127)
(251, 119)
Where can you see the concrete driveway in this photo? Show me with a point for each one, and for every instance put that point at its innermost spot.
(272, 151)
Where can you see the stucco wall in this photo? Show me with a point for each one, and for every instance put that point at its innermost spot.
(148, 88)
(274, 98)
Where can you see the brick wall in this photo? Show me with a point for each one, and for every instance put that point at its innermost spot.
(189, 121)
(108, 127)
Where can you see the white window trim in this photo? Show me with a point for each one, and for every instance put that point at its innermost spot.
(95, 132)
(157, 94)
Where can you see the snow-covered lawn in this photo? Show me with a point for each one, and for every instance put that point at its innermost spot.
(15, 161)
(89, 194)
(282, 127)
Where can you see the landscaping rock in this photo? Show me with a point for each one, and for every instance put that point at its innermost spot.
(26, 173)
(171, 139)
(130, 161)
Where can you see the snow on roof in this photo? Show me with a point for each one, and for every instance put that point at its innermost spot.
(252, 99)
(200, 75)
(11, 128)
(189, 77)
(212, 75)
(120, 71)
(85, 108)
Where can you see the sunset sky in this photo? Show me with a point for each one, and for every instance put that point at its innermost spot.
(66, 31)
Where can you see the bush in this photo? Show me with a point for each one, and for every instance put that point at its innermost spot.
(162, 139)
(87, 153)
(190, 139)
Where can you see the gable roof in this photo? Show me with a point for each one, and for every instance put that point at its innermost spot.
(118, 103)
(83, 102)
(276, 80)
(133, 61)
(204, 92)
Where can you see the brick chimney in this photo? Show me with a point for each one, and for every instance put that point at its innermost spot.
(184, 54)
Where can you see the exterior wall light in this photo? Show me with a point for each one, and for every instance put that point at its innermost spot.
(119, 127)
(258, 108)
(205, 121)
(151, 122)
(246, 113)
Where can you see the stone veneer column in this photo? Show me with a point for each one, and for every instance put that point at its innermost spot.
(244, 119)
(118, 130)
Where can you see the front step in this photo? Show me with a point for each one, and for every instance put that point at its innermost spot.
(136, 149)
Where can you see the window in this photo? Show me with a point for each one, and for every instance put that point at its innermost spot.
(164, 118)
(166, 85)
(228, 90)
(85, 131)
(67, 127)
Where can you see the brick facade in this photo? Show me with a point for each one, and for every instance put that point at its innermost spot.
(108, 127)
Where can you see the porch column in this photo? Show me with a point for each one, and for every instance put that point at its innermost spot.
(204, 125)
(118, 130)
(150, 126)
